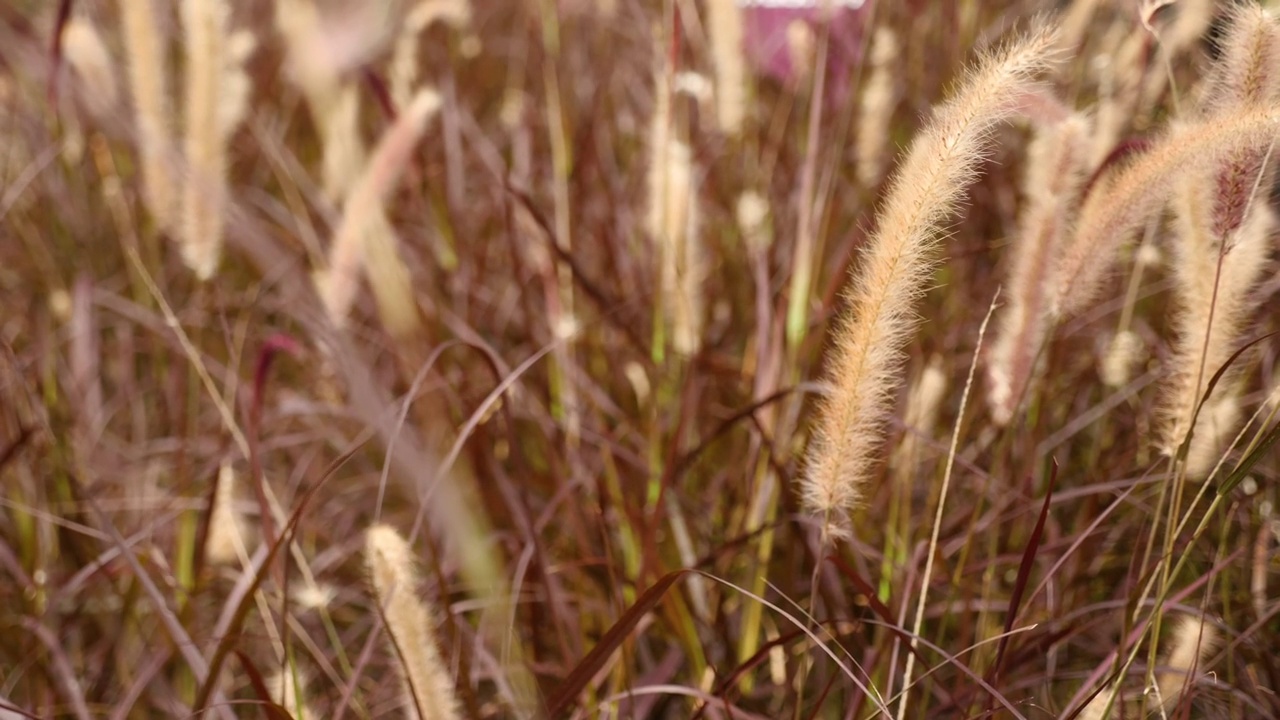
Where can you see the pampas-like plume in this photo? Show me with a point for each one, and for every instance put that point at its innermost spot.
(289, 688)
(1112, 213)
(1208, 327)
(88, 56)
(1193, 640)
(144, 48)
(225, 541)
(724, 25)
(403, 69)
(876, 108)
(752, 215)
(337, 284)
(1247, 76)
(409, 620)
(923, 402)
(1223, 237)
(1123, 352)
(217, 92)
(867, 354)
(672, 221)
(1055, 175)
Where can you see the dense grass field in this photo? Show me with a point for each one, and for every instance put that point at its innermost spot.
(639, 359)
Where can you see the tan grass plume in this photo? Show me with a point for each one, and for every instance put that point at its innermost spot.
(866, 360)
(1056, 166)
(288, 688)
(1124, 351)
(403, 69)
(225, 541)
(1208, 325)
(337, 284)
(87, 55)
(672, 221)
(217, 92)
(875, 110)
(1224, 226)
(1114, 210)
(924, 400)
(1193, 641)
(409, 622)
(724, 27)
(144, 50)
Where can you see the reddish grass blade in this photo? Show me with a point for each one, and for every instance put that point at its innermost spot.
(1020, 584)
(567, 693)
(269, 706)
(1213, 382)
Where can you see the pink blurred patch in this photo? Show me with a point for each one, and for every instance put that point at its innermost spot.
(766, 23)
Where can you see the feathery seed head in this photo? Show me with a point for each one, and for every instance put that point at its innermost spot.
(88, 56)
(724, 21)
(409, 622)
(868, 343)
(1193, 641)
(225, 542)
(337, 285)
(1056, 164)
(1140, 189)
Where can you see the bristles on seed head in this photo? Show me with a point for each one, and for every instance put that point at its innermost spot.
(1215, 293)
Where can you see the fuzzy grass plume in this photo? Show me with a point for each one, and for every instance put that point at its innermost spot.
(724, 25)
(1224, 226)
(152, 108)
(409, 620)
(1115, 209)
(87, 54)
(1193, 640)
(338, 283)
(1055, 175)
(216, 97)
(867, 355)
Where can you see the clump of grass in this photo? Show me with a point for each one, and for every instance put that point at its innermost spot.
(610, 512)
(1115, 208)
(1224, 233)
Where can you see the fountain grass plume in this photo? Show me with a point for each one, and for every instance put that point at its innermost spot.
(865, 365)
